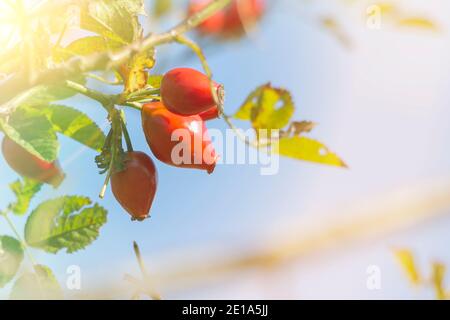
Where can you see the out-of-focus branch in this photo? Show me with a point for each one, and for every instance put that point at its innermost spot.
(21, 82)
(371, 220)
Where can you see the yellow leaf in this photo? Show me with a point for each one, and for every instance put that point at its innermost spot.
(135, 73)
(418, 22)
(302, 148)
(406, 260)
(268, 108)
(385, 8)
(437, 278)
(334, 27)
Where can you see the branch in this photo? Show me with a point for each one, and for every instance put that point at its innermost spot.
(103, 99)
(21, 82)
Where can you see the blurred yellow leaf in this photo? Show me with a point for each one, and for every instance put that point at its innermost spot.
(335, 28)
(418, 22)
(406, 260)
(437, 277)
(386, 8)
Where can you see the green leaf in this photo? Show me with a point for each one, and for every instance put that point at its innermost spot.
(76, 125)
(11, 256)
(302, 148)
(38, 285)
(84, 47)
(267, 108)
(80, 47)
(64, 223)
(117, 20)
(24, 191)
(43, 95)
(31, 129)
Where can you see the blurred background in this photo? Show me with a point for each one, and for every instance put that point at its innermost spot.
(381, 99)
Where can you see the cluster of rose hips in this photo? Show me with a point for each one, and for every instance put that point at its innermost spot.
(232, 21)
(188, 99)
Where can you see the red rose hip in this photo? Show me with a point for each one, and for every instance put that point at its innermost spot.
(30, 166)
(135, 186)
(187, 92)
(180, 141)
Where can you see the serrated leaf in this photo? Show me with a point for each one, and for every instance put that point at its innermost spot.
(135, 74)
(31, 129)
(24, 190)
(306, 149)
(38, 285)
(117, 20)
(408, 264)
(76, 125)
(64, 223)
(267, 108)
(11, 256)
